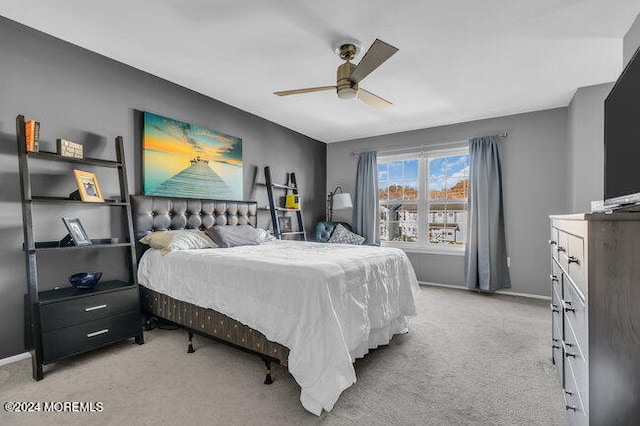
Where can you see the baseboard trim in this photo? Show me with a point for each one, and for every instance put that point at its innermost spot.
(507, 293)
(15, 358)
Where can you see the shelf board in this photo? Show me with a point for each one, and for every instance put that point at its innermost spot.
(292, 233)
(68, 292)
(64, 200)
(280, 209)
(96, 244)
(51, 156)
(277, 185)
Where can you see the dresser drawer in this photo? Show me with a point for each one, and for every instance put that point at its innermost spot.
(576, 263)
(556, 349)
(576, 359)
(556, 279)
(575, 314)
(90, 335)
(553, 243)
(67, 313)
(563, 242)
(573, 400)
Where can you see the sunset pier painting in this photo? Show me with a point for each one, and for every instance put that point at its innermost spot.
(184, 160)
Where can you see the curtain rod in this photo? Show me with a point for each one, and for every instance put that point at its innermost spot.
(504, 135)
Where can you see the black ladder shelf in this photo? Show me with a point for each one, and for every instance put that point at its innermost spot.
(274, 208)
(65, 321)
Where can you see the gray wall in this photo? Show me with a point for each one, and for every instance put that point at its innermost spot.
(586, 135)
(87, 98)
(631, 40)
(586, 147)
(534, 158)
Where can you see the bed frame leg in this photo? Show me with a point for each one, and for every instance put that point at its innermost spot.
(190, 350)
(268, 380)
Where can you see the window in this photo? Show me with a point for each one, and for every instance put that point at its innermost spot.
(423, 199)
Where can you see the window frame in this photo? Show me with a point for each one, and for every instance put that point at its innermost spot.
(423, 156)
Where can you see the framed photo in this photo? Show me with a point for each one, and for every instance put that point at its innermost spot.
(285, 224)
(76, 231)
(88, 187)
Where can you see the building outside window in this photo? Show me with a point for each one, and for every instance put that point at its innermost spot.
(424, 199)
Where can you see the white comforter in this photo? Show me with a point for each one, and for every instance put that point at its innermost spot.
(328, 303)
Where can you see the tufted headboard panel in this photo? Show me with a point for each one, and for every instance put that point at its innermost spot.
(151, 213)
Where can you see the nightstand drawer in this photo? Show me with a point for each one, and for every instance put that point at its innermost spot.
(67, 313)
(83, 337)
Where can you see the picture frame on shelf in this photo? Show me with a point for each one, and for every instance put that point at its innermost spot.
(67, 148)
(88, 186)
(77, 234)
(285, 224)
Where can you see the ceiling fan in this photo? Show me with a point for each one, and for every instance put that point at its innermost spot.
(350, 75)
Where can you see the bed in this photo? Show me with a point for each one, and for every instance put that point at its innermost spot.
(312, 307)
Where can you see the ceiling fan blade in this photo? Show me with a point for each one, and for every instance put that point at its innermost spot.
(375, 56)
(373, 100)
(311, 89)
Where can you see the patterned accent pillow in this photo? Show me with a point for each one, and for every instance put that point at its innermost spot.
(342, 235)
(187, 239)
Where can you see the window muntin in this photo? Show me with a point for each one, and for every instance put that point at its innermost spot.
(423, 198)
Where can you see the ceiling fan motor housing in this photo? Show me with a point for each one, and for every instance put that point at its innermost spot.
(346, 88)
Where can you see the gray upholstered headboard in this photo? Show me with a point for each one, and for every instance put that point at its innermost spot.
(151, 213)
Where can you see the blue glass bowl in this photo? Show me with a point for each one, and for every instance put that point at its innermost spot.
(85, 280)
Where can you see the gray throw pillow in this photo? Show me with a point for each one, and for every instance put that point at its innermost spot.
(342, 235)
(232, 236)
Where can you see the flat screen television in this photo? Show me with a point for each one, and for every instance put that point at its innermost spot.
(622, 138)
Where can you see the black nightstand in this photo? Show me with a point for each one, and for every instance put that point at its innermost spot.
(75, 321)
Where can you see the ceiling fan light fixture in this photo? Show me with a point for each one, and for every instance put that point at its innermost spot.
(347, 93)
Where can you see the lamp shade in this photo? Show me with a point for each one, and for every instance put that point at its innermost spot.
(342, 201)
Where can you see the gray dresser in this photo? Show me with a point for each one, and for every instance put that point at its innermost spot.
(595, 281)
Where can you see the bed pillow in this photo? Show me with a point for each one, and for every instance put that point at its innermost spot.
(233, 236)
(342, 235)
(187, 239)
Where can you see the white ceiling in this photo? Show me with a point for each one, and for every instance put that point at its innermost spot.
(459, 60)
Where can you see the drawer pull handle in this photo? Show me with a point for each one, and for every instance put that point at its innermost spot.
(554, 307)
(97, 333)
(555, 346)
(568, 354)
(573, 259)
(554, 278)
(552, 242)
(93, 308)
(562, 249)
(566, 305)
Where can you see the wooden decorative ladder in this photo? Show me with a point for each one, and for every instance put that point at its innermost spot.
(274, 208)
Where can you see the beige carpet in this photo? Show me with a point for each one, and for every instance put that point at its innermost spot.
(469, 359)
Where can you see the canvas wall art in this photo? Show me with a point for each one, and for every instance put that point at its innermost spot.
(183, 160)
